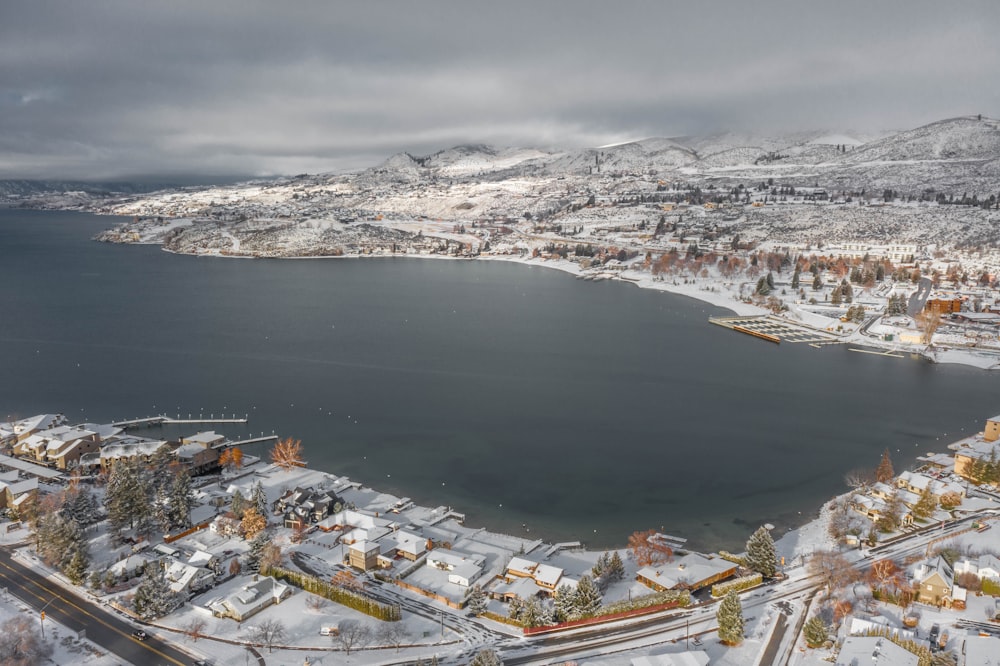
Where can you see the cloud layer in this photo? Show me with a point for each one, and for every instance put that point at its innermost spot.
(117, 88)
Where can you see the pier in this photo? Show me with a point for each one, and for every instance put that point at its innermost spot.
(167, 420)
(777, 330)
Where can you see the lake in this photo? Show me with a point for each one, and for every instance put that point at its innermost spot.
(533, 402)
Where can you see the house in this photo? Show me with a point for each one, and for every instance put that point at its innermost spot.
(120, 448)
(463, 569)
(984, 566)
(933, 581)
(186, 579)
(15, 491)
(303, 506)
(364, 555)
(916, 483)
(27, 427)
(410, 546)
(874, 650)
(981, 447)
(690, 572)
(250, 599)
(227, 525)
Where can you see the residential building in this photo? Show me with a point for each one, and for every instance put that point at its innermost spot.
(984, 566)
(463, 569)
(690, 572)
(250, 599)
(874, 651)
(364, 555)
(933, 581)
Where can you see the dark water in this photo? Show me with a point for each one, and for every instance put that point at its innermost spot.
(516, 394)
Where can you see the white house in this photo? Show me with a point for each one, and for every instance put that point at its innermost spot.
(250, 599)
(463, 569)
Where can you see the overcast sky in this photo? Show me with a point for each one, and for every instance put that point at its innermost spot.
(112, 89)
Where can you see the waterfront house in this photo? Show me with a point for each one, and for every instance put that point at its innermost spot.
(690, 572)
(915, 482)
(463, 569)
(199, 453)
(27, 427)
(303, 506)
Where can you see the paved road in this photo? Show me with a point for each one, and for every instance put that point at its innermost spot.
(76, 613)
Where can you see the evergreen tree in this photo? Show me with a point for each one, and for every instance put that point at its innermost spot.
(761, 556)
(486, 657)
(127, 498)
(153, 597)
(477, 601)
(884, 473)
(762, 287)
(239, 503)
(515, 608)
(76, 568)
(616, 568)
(601, 566)
(180, 500)
(817, 282)
(926, 504)
(730, 619)
(815, 631)
(565, 603)
(259, 498)
(835, 297)
(770, 280)
(533, 615)
(795, 278)
(257, 551)
(587, 599)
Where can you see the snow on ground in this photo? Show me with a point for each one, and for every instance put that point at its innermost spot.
(67, 647)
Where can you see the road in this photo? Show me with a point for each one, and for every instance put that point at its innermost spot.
(919, 297)
(105, 629)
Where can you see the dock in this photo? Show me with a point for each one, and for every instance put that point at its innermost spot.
(888, 352)
(163, 419)
(777, 330)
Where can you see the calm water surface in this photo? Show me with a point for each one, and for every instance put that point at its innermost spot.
(532, 401)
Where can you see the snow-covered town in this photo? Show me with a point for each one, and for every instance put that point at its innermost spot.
(217, 554)
(887, 243)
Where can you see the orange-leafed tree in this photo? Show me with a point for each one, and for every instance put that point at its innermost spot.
(253, 523)
(646, 549)
(287, 454)
(231, 458)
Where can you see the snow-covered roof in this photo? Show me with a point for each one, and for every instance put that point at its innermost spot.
(689, 570)
(204, 438)
(874, 650)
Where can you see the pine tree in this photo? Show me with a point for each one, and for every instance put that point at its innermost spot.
(616, 569)
(770, 280)
(884, 473)
(256, 551)
(761, 556)
(601, 566)
(239, 503)
(515, 608)
(565, 602)
(486, 657)
(815, 631)
(926, 504)
(477, 601)
(180, 500)
(817, 282)
(76, 568)
(153, 597)
(730, 619)
(587, 599)
(533, 615)
(795, 278)
(259, 498)
(127, 498)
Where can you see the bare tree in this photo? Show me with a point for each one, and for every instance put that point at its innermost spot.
(353, 635)
(20, 643)
(268, 633)
(860, 478)
(195, 628)
(392, 633)
(835, 569)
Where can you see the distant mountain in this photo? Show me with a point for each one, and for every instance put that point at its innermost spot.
(15, 189)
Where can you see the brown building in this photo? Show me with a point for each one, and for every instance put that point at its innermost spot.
(364, 555)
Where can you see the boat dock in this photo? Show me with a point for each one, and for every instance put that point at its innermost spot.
(776, 329)
(167, 420)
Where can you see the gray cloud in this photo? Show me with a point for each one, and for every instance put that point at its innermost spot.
(114, 87)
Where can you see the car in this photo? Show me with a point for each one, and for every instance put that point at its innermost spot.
(140, 635)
